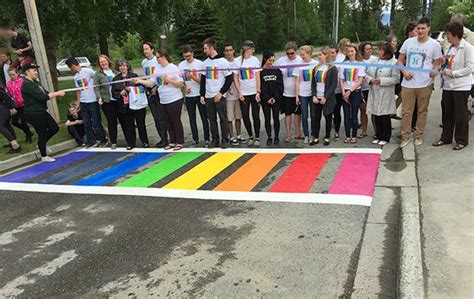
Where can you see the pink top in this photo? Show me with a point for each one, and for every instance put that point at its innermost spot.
(14, 90)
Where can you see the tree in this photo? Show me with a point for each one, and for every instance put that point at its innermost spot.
(272, 36)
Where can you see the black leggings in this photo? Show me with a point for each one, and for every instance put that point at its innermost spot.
(268, 112)
(45, 126)
(245, 107)
(173, 121)
(6, 128)
(337, 112)
(317, 114)
(383, 127)
(111, 113)
(19, 121)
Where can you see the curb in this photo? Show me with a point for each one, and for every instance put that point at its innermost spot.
(35, 155)
(410, 278)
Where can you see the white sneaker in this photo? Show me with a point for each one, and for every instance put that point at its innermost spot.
(404, 143)
(375, 141)
(306, 140)
(47, 159)
(382, 142)
(251, 141)
(418, 141)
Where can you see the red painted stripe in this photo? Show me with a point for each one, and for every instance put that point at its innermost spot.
(300, 175)
(356, 175)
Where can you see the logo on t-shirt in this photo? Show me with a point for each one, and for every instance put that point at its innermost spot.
(149, 70)
(246, 74)
(416, 59)
(110, 77)
(350, 74)
(138, 89)
(82, 83)
(289, 71)
(161, 81)
(307, 75)
(321, 76)
(449, 59)
(211, 73)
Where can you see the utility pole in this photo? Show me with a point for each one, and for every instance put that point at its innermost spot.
(34, 27)
(335, 26)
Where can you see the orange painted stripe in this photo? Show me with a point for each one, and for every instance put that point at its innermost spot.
(251, 173)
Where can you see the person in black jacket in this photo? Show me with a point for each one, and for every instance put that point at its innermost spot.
(7, 105)
(271, 95)
(127, 117)
(324, 98)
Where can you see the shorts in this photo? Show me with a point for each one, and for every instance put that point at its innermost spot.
(289, 107)
(233, 110)
(365, 96)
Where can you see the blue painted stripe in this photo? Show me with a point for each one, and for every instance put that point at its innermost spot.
(78, 171)
(45, 167)
(121, 169)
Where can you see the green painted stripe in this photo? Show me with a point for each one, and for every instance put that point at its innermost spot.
(159, 171)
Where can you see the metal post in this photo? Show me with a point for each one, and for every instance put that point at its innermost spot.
(34, 27)
(337, 22)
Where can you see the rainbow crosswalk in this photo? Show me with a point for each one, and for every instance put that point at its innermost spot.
(300, 175)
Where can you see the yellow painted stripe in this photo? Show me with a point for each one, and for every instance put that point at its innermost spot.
(204, 172)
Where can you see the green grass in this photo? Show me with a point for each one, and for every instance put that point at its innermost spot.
(62, 135)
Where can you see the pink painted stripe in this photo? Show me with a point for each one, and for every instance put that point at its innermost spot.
(356, 175)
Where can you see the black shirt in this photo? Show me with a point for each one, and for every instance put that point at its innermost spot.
(71, 117)
(21, 42)
(271, 84)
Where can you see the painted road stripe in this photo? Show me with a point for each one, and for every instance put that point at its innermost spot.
(245, 150)
(301, 174)
(45, 167)
(356, 175)
(204, 171)
(159, 171)
(356, 200)
(78, 171)
(251, 173)
(118, 170)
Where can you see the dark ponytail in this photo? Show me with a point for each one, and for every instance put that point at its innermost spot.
(266, 55)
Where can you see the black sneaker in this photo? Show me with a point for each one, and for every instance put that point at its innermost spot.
(13, 150)
(224, 144)
(269, 141)
(161, 144)
(276, 141)
(314, 142)
(214, 143)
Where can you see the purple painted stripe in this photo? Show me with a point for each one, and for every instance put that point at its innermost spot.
(42, 168)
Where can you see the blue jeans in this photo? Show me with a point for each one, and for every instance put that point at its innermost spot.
(351, 111)
(306, 102)
(191, 104)
(92, 123)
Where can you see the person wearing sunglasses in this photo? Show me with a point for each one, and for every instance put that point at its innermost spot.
(289, 106)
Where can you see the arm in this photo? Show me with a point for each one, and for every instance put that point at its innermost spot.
(202, 89)
(392, 80)
(469, 67)
(358, 83)
(259, 88)
(78, 97)
(116, 90)
(313, 83)
(97, 88)
(281, 86)
(297, 82)
(235, 79)
(227, 84)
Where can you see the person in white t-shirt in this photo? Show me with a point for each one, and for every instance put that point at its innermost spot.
(289, 106)
(170, 83)
(214, 86)
(350, 81)
(365, 49)
(149, 64)
(420, 52)
(86, 98)
(338, 54)
(303, 77)
(234, 113)
(190, 69)
(247, 83)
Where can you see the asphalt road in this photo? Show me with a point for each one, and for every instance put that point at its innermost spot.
(89, 245)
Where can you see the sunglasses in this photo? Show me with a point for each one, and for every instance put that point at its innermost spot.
(290, 53)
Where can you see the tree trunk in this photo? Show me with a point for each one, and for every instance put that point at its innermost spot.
(392, 14)
(51, 43)
(103, 45)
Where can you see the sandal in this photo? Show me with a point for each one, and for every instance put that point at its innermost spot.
(353, 140)
(347, 140)
(170, 146)
(178, 147)
(299, 137)
(439, 143)
(288, 139)
(459, 147)
(362, 135)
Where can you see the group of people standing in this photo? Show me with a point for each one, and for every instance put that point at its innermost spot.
(226, 90)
